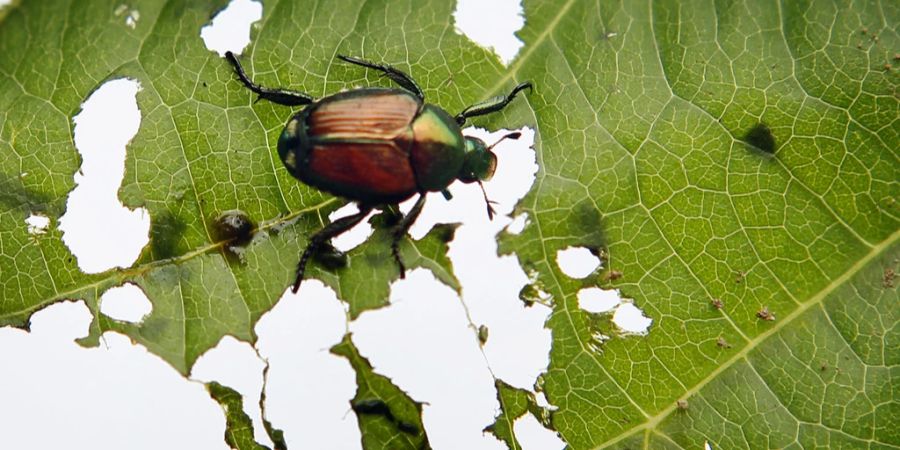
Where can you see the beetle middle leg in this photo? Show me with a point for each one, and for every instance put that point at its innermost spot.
(491, 105)
(275, 95)
(332, 230)
(398, 76)
(401, 230)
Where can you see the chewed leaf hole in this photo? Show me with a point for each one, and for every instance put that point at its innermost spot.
(357, 235)
(531, 434)
(37, 224)
(492, 24)
(127, 303)
(98, 229)
(230, 28)
(518, 224)
(761, 138)
(577, 262)
(631, 319)
(596, 300)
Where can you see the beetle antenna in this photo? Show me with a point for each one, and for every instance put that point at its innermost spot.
(490, 209)
(514, 135)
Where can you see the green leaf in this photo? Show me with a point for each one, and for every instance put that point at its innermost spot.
(655, 115)
(238, 426)
(739, 151)
(388, 418)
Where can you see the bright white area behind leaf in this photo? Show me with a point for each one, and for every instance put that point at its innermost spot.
(309, 389)
(577, 262)
(100, 231)
(126, 302)
(59, 395)
(236, 364)
(230, 28)
(539, 438)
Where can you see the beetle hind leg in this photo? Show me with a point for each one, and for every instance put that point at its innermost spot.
(403, 228)
(275, 95)
(331, 231)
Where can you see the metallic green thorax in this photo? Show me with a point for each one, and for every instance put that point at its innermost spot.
(480, 163)
(438, 149)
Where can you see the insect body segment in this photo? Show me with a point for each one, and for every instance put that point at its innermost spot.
(378, 146)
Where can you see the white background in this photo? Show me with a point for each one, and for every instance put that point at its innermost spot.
(55, 394)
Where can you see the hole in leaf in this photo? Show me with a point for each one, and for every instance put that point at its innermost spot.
(37, 224)
(531, 434)
(309, 389)
(631, 319)
(492, 24)
(237, 365)
(127, 303)
(98, 229)
(518, 224)
(230, 28)
(761, 138)
(357, 235)
(577, 262)
(596, 300)
(425, 345)
(131, 390)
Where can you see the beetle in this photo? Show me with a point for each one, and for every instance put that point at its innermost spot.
(378, 147)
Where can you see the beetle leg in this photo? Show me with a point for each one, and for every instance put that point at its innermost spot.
(491, 105)
(332, 230)
(396, 75)
(275, 95)
(402, 229)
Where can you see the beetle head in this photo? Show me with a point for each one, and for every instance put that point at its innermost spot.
(480, 162)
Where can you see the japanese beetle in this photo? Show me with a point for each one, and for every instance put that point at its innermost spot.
(379, 146)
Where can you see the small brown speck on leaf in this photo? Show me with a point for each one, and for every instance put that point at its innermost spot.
(888, 279)
(765, 314)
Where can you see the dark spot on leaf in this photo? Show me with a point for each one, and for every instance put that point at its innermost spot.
(380, 408)
(765, 314)
(165, 234)
(613, 275)
(761, 138)
(445, 232)
(330, 258)
(888, 279)
(233, 226)
(390, 216)
(14, 194)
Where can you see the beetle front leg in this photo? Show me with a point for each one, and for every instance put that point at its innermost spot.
(401, 230)
(332, 230)
(491, 105)
(275, 95)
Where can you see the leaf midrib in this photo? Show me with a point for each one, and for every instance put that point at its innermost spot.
(118, 275)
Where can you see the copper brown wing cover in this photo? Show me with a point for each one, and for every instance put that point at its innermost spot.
(360, 145)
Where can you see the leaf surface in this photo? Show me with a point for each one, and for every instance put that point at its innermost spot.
(739, 151)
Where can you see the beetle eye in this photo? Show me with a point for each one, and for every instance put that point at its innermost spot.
(478, 166)
(490, 166)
